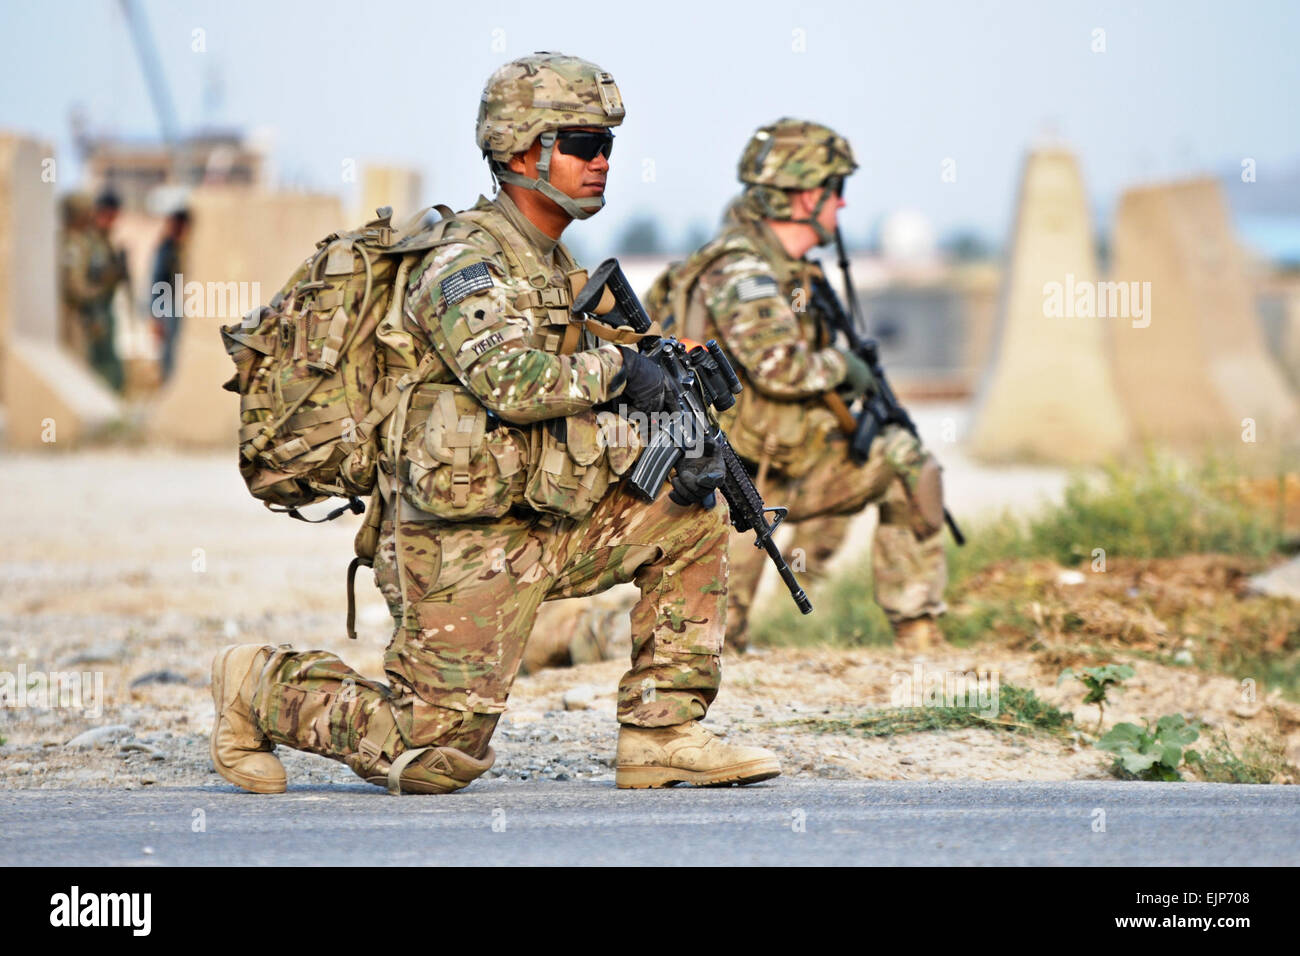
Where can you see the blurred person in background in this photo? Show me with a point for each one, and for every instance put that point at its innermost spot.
(75, 213)
(167, 272)
(92, 270)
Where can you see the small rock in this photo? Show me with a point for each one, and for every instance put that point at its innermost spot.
(148, 851)
(1070, 578)
(20, 767)
(97, 654)
(159, 677)
(97, 736)
(579, 698)
(153, 752)
(561, 776)
(1183, 657)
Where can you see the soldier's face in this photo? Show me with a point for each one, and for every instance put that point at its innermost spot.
(571, 175)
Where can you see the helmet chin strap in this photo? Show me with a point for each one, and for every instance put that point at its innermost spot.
(577, 208)
(824, 235)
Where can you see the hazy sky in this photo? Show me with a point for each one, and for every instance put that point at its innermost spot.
(1181, 87)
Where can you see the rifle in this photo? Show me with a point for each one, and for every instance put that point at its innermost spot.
(880, 407)
(698, 379)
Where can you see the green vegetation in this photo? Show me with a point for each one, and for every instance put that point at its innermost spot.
(1097, 681)
(1261, 761)
(1019, 711)
(1157, 510)
(1150, 753)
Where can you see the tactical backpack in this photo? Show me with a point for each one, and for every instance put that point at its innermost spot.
(310, 375)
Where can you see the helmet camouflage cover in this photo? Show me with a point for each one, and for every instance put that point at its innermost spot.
(539, 93)
(795, 154)
(532, 98)
(792, 154)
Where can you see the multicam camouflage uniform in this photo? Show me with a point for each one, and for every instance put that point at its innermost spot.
(487, 517)
(745, 290)
(91, 270)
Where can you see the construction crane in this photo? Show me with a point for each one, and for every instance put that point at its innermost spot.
(151, 66)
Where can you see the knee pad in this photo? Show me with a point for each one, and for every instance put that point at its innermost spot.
(928, 498)
(424, 770)
(404, 763)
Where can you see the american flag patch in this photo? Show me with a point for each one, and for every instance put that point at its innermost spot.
(751, 288)
(466, 282)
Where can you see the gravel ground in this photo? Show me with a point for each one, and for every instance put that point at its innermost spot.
(134, 568)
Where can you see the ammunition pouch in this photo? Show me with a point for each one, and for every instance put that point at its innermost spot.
(453, 465)
(573, 460)
(763, 430)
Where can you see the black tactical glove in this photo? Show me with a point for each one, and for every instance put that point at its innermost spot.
(858, 379)
(697, 478)
(645, 390)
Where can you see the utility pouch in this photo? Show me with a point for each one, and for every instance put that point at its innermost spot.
(763, 429)
(566, 472)
(455, 466)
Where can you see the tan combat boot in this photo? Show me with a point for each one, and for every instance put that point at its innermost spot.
(240, 751)
(918, 635)
(686, 753)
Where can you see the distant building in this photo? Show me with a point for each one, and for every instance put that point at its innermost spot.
(135, 169)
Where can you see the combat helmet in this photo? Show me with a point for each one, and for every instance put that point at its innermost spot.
(793, 154)
(534, 97)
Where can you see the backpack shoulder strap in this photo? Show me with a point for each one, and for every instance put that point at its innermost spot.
(684, 276)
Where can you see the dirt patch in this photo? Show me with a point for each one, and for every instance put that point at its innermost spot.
(136, 568)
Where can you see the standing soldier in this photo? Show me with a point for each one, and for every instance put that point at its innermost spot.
(92, 271)
(537, 469)
(749, 289)
(75, 210)
(168, 276)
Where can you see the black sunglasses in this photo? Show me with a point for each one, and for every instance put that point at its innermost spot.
(836, 185)
(585, 144)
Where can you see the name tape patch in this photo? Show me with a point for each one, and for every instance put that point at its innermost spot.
(751, 288)
(474, 349)
(466, 282)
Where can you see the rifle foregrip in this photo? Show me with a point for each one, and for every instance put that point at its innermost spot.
(748, 514)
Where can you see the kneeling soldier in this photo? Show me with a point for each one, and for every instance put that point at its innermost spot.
(749, 288)
(501, 485)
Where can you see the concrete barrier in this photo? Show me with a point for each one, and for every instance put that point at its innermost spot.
(1047, 393)
(1196, 370)
(50, 399)
(243, 246)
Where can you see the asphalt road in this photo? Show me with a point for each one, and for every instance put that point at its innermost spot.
(544, 822)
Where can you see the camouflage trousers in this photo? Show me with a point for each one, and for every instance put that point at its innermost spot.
(98, 331)
(907, 559)
(472, 592)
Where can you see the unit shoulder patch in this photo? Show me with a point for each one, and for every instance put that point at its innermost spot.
(752, 288)
(466, 282)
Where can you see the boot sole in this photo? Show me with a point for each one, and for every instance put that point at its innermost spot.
(645, 778)
(251, 784)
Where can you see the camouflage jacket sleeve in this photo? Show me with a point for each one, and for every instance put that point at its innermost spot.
(461, 296)
(78, 288)
(762, 333)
